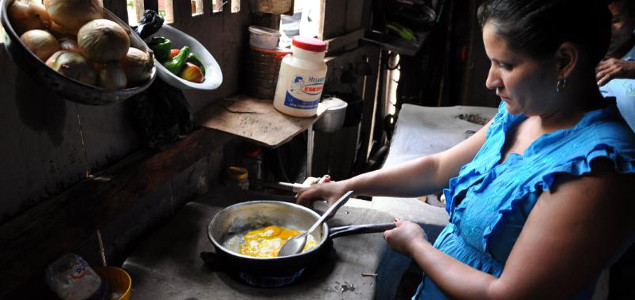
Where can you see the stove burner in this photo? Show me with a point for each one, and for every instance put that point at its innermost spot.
(267, 281)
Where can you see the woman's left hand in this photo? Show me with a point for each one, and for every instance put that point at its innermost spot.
(405, 236)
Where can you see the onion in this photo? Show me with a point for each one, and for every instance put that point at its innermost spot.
(69, 44)
(73, 65)
(71, 15)
(103, 41)
(112, 77)
(41, 43)
(28, 16)
(137, 65)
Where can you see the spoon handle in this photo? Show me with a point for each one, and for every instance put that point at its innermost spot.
(331, 211)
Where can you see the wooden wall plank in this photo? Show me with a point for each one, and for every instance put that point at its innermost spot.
(182, 11)
(207, 7)
(334, 18)
(118, 7)
(151, 4)
(354, 10)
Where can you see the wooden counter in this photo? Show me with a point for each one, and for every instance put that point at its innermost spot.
(255, 120)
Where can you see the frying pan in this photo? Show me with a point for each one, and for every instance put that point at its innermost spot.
(240, 218)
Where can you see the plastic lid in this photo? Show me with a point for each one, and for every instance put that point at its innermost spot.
(333, 103)
(264, 31)
(237, 173)
(309, 43)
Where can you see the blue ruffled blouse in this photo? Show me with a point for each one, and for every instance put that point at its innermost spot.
(490, 201)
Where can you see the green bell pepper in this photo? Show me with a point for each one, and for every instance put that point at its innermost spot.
(161, 47)
(195, 60)
(175, 64)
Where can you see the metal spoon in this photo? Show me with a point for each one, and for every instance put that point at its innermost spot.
(296, 244)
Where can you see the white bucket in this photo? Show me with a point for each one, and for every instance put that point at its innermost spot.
(333, 117)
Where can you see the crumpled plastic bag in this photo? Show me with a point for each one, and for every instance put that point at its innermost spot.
(149, 24)
(162, 115)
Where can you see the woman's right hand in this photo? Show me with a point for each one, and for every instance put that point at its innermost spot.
(329, 191)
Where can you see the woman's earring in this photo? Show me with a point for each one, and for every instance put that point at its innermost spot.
(561, 84)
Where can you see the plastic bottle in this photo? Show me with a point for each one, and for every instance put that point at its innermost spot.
(252, 161)
(71, 278)
(301, 78)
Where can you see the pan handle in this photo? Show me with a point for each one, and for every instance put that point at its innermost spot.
(359, 229)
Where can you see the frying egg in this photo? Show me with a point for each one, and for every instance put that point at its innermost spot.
(267, 241)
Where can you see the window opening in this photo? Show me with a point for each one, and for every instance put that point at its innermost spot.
(217, 6)
(306, 21)
(394, 74)
(197, 7)
(235, 6)
(166, 11)
(2, 34)
(135, 11)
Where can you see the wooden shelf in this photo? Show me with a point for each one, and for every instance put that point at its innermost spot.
(255, 120)
(396, 44)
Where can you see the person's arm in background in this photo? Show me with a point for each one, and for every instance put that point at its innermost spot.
(614, 68)
(416, 177)
(570, 235)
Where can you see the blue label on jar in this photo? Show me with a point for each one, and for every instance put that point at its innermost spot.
(294, 102)
(311, 86)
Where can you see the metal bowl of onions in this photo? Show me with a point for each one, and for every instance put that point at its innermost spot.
(73, 89)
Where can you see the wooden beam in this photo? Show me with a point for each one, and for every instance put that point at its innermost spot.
(182, 11)
(338, 43)
(63, 224)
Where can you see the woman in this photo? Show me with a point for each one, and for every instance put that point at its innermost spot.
(540, 199)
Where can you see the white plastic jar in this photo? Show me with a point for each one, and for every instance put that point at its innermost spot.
(301, 78)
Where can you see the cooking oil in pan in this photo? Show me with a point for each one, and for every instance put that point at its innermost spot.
(266, 242)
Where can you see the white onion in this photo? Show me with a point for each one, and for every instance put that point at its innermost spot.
(41, 43)
(137, 65)
(103, 41)
(112, 77)
(73, 65)
(71, 15)
(69, 44)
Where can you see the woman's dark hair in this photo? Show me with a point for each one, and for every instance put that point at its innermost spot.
(538, 27)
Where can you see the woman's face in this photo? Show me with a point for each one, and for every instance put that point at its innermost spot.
(526, 85)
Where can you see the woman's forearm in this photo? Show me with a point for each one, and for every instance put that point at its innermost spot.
(456, 279)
